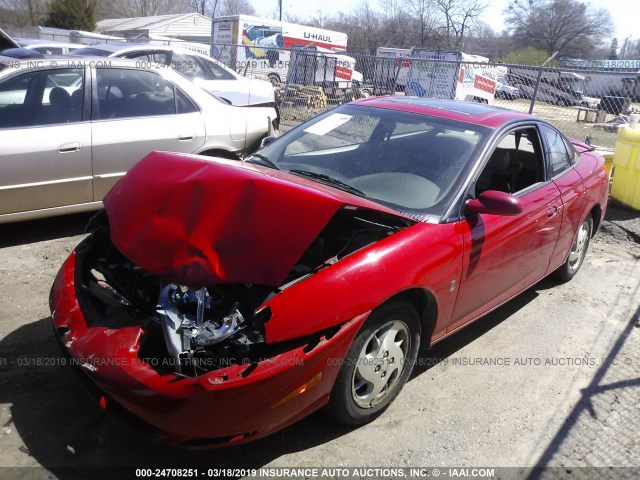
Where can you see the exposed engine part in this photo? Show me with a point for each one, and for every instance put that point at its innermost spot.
(348, 231)
(193, 330)
(189, 321)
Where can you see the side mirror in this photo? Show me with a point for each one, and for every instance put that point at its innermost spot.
(267, 141)
(495, 203)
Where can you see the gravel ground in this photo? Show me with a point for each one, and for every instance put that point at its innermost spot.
(565, 391)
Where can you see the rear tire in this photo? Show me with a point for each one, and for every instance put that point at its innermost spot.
(377, 364)
(578, 251)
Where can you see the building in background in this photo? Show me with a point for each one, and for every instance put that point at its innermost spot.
(191, 27)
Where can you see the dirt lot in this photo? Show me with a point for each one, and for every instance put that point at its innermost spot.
(551, 379)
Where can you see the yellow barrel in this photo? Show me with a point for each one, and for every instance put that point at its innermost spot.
(607, 154)
(626, 178)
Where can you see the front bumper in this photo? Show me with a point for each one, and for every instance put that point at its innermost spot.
(234, 404)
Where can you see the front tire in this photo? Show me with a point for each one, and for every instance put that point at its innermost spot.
(377, 365)
(578, 251)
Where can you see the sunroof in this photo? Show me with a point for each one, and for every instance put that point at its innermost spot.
(465, 108)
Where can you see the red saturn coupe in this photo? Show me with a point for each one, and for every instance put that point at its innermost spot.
(217, 301)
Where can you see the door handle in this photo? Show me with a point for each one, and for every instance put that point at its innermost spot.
(69, 147)
(185, 137)
(552, 211)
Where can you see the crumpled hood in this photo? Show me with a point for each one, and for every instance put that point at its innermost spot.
(241, 91)
(200, 221)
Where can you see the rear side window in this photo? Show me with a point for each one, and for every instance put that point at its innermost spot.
(556, 151)
(49, 50)
(150, 56)
(124, 93)
(183, 103)
(48, 97)
(187, 65)
(216, 71)
(94, 52)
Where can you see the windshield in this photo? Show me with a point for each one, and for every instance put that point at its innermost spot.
(409, 162)
(578, 86)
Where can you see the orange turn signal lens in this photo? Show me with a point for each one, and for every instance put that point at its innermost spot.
(298, 391)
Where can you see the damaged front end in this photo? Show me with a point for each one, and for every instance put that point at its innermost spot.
(166, 343)
(194, 330)
(186, 331)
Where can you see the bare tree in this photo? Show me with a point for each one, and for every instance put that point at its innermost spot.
(569, 27)
(483, 40)
(393, 23)
(145, 8)
(369, 25)
(319, 19)
(424, 19)
(632, 49)
(362, 26)
(207, 8)
(23, 13)
(292, 18)
(236, 7)
(457, 17)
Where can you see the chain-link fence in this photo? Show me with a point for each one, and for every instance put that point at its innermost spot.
(582, 103)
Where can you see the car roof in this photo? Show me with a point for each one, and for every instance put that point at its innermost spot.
(21, 53)
(72, 61)
(130, 47)
(111, 47)
(8, 66)
(37, 42)
(467, 112)
(120, 47)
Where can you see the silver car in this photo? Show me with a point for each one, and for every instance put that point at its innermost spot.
(203, 70)
(48, 47)
(71, 127)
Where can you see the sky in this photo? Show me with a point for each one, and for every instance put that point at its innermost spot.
(625, 13)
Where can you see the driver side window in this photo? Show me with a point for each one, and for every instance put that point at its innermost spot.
(515, 164)
(125, 93)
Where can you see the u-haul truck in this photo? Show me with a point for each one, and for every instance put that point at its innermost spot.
(318, 66)
(391, 73)
(451, 74)
(261, 46)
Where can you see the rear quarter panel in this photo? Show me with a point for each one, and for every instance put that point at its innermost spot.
(593, 195)
(596, 181)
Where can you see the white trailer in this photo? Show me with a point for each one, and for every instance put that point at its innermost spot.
(389, 73)
(262, 46)
(318, 66)
(453, 74)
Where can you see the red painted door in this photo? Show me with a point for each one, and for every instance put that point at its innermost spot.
(504, 255)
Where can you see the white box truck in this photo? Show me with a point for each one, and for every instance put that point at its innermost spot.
(391, 69)
(451, 74)
(318, 66)
(260, 46)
